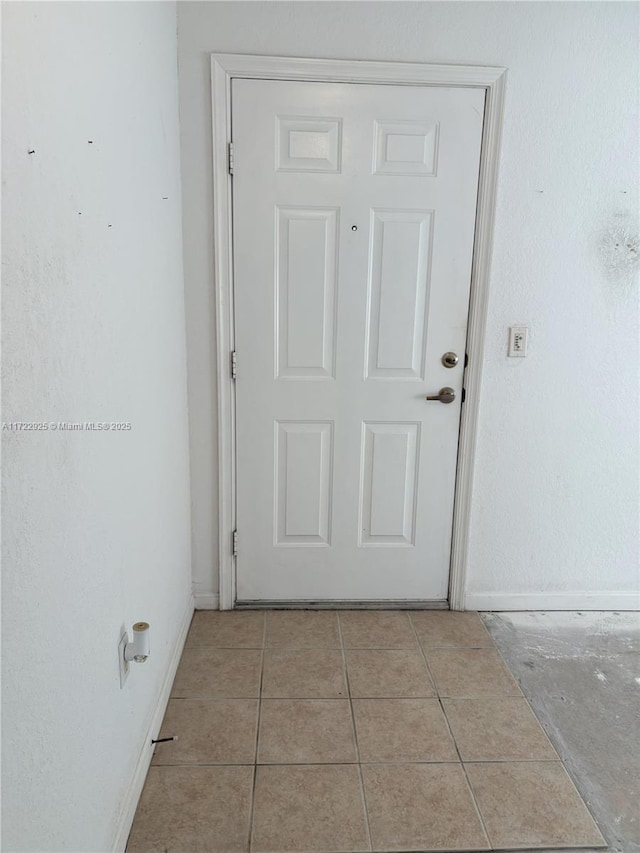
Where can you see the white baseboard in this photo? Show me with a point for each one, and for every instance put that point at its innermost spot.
(605, 600)
(207, 600)
(146, 753)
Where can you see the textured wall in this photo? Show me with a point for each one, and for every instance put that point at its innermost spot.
(556, 485)
(96, 524)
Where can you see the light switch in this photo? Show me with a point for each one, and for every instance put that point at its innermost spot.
(518, 336)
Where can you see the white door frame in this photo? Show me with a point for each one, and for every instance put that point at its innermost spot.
(225, 67)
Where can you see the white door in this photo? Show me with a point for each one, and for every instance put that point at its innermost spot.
(353, 225)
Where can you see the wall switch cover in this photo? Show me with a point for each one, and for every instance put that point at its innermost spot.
(518, 338)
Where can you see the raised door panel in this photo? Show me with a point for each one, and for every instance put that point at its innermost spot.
(306, 276)
(303, 483)
(389, 478)
(406, 148)
(306, 144)
(399, 273)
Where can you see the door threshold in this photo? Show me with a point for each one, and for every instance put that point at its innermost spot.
(418, 604)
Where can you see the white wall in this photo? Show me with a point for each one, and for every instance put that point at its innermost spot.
(556, 485)
(96, 524)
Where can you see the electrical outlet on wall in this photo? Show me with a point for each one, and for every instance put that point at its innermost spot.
(518, 339)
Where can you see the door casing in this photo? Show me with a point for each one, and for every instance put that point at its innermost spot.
(225, 67)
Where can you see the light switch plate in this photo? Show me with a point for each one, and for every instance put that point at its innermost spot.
(518, 339)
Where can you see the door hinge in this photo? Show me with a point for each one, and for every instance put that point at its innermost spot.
(231, 158)
(233, 365)
(235, 543)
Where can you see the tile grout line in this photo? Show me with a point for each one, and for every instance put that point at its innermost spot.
(453, 740)
(224, 648)
(395, 763)
(355, 733)
(257, 741)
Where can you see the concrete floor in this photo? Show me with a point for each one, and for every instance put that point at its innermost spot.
(581, 674)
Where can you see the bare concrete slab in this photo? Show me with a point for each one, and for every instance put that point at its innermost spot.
(581, 674)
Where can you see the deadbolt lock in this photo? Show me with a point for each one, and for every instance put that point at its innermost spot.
(450, 359)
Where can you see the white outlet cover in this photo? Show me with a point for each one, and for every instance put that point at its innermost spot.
(123, 664)
(518, 340)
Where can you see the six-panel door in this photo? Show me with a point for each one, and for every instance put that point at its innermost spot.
(353, 223)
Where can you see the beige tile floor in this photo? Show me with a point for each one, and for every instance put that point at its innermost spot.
(334, 732)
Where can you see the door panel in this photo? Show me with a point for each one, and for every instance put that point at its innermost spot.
(389, 478)
(354, 210)
(398, 293)
(303, 487)
(306, 281)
